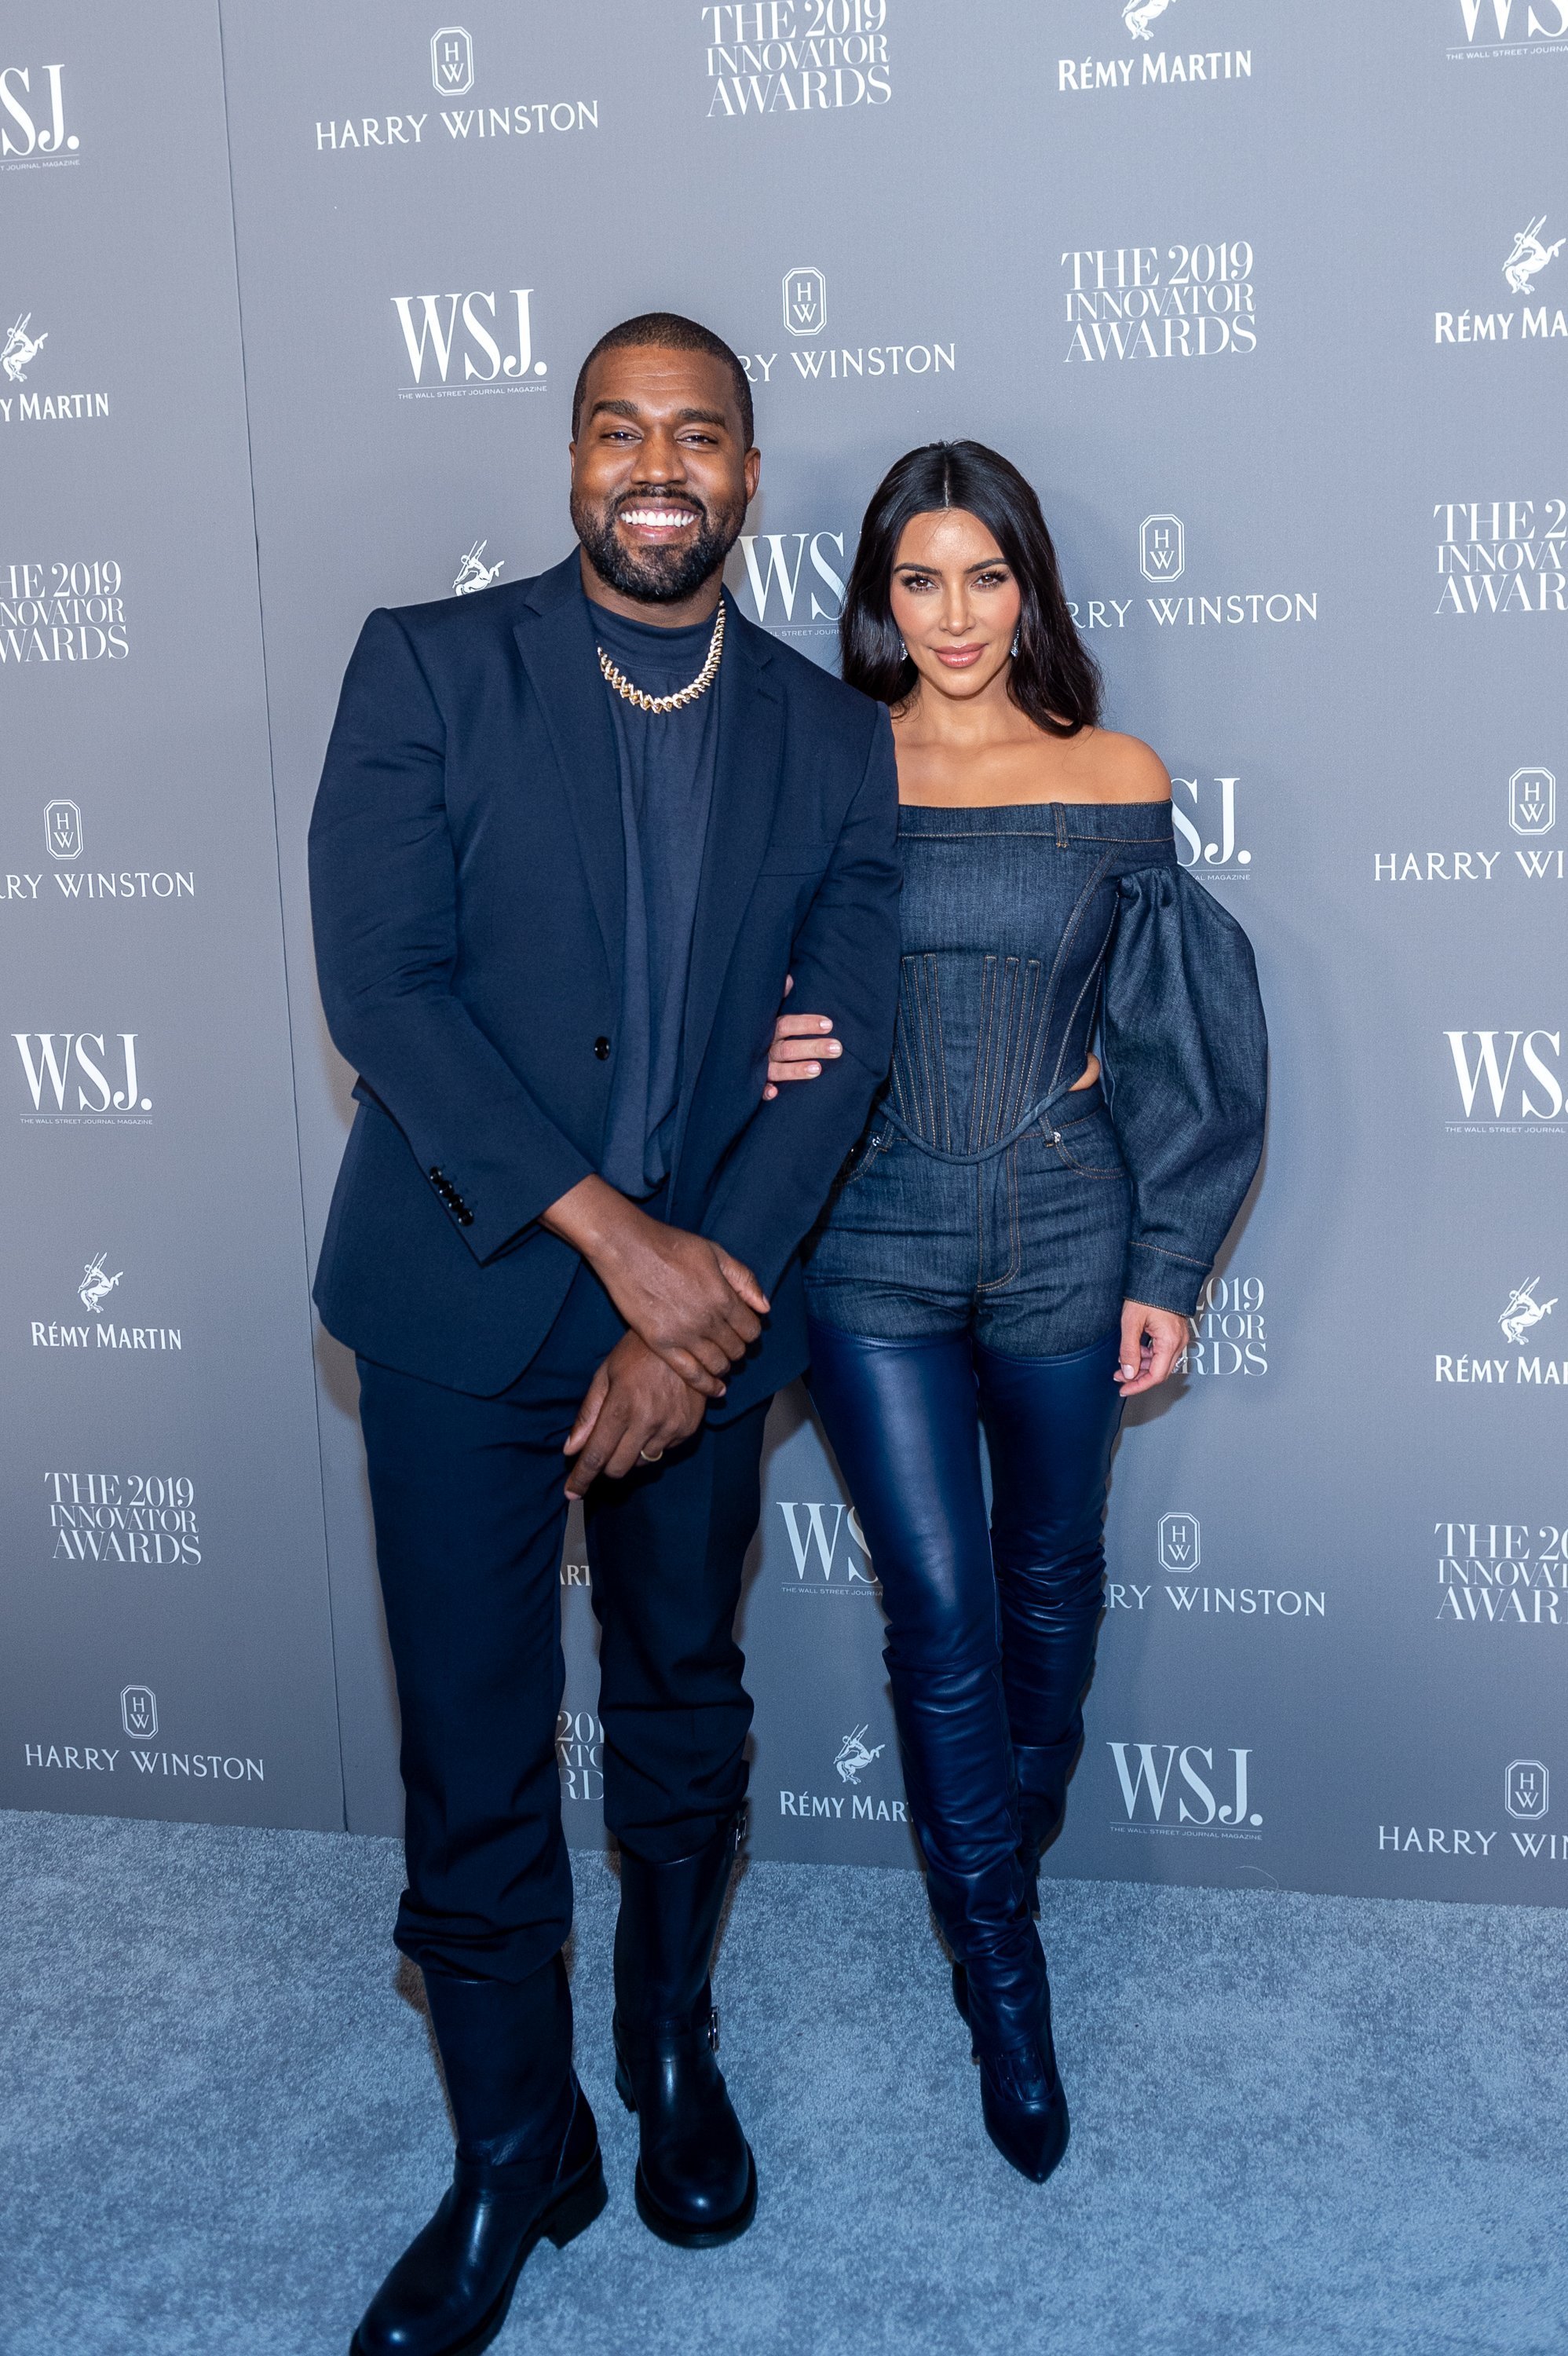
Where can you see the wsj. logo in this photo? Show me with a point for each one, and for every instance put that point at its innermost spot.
(1524, 1058)
(1491, 21)
(1138, 15)
(814, 1544)
(1145, 1786)
(775, 571)
(1532, 801)
(20, 135)
(434, 337)
(64, 1055)
(21, 349)
(62, 829)
(96, 1286)
(1180, 1542)
(1220, 854)
(474, 573)
(1526, 1789)
(1162, 548)
(1529, 256)
(1521, 1311)
(452, 62)
(805, 302)
(139, 1710)
(853, 1758)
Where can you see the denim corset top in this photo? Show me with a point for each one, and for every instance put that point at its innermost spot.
(1009, 915)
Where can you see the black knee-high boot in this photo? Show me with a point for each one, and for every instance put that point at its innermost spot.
(696, 2182)
(902, 1420)
(528, 2166)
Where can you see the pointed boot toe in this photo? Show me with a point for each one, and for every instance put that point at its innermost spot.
(1024, 2109)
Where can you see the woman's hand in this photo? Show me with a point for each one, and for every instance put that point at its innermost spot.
(1152, 1341)
(802, 1043)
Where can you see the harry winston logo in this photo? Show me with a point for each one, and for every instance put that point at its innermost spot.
(1138, 16)
(1526, 1790)
(139, 1709)
(62, 829)
(1532, 801)
(1180, 1542)
(853, 1757)
(1162, 548)
(805, 302)
(21, 349)
(452, 61)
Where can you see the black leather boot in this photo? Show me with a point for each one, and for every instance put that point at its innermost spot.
(696, 2182)
(528, 2166)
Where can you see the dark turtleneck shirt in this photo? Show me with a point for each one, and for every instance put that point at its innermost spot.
(667, 762)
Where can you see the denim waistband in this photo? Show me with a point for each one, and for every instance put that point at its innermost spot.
(1063, 1106)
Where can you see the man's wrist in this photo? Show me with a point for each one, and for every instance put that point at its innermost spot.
(590, 1217)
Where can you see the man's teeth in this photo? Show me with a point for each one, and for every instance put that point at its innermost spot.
(656, 516)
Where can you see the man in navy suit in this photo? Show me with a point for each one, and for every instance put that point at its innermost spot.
(573, 834)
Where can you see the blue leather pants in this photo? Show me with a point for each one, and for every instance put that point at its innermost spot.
(990, 1631)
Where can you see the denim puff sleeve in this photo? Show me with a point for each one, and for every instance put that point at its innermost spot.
(1186, 1061)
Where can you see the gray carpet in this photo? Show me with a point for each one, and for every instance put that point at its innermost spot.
(1321, 2126)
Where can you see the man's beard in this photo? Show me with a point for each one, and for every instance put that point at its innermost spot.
(655, 576)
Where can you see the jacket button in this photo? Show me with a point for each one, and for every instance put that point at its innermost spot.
(602, 1048)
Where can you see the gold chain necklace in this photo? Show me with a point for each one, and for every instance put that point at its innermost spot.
(700, 685)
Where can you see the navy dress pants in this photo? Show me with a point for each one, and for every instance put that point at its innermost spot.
(470, 1512)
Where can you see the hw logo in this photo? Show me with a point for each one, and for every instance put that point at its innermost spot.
(805, 302)
(62, 829)
(1180, 1546)
(138, 1710)
(1146, 1785)
(814, 1535)
(1532, 801)
(1526, 1790)
(452, 62)
(1162, 548)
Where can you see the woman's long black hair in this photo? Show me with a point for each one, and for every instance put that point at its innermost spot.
(1054, 677)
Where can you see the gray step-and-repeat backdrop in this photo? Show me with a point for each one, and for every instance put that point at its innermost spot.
(1270, 298)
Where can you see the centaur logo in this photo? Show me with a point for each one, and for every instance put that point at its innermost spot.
(1501, 1060)
(853, 1757)
(820, 1564)
(1146, 1784)
(52, 1060)
(1521, 1309)
(431, 338)
(783, 569)
(1138, 16)
(474, 573)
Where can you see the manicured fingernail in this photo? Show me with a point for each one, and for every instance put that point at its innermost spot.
(1127, 1373)
(833, 1048)
(825, 1024)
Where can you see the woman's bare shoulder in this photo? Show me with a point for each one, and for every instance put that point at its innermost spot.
(1116, 768)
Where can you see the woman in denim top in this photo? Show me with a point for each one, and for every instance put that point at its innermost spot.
(1073, 1116)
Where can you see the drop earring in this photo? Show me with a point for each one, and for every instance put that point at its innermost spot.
(904, 651)
(1017, 634)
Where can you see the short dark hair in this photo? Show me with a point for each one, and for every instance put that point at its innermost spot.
(1054, 679)
(675, 333)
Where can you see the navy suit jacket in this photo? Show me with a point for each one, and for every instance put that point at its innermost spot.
(468, 888)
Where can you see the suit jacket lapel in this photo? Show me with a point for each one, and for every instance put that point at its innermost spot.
(555, 638)
(745, 789)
